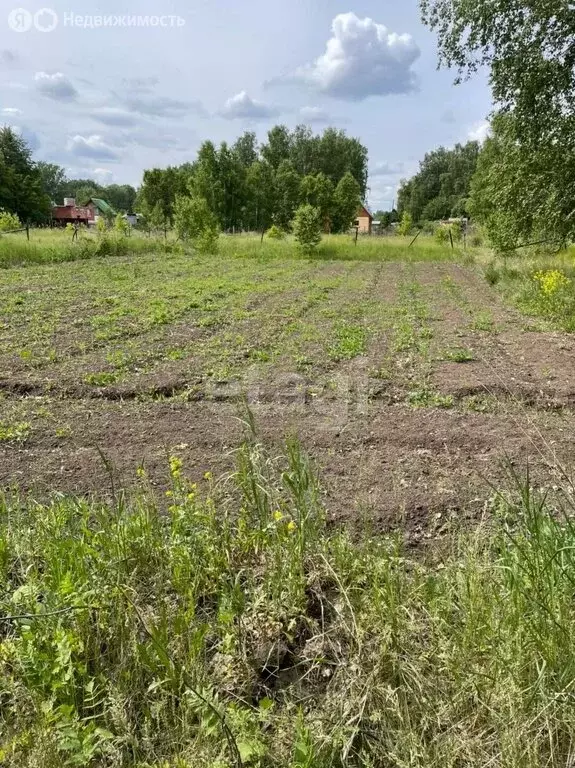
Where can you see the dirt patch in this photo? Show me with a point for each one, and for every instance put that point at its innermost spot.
(385, 463)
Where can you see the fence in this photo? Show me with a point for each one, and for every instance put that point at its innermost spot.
(15, 231)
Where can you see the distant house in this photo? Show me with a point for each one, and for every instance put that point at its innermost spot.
(364, 221)
(70, 213)
(99, 209)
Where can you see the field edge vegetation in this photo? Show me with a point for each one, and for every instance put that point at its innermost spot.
(227, 624)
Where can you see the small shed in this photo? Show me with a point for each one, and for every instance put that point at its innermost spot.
(70, 213)
(364, 221)
(99, 209)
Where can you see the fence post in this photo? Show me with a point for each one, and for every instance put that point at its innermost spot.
(28, 231)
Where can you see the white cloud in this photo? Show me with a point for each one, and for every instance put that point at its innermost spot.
(241, 106)
(56, 86)
(479, 132)
(381, 194)
(103, 176)
(114, 116)
(11, 111)
(163, 106)
(314, 115)
(93, 147)
(387, 169)
(363, 59)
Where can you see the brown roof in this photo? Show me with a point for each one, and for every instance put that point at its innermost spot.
(363, 213)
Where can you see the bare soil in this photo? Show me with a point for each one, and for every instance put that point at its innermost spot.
(384, 463)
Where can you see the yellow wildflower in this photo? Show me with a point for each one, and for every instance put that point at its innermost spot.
(208, 476)
(292, 526)
(141, 473)
(176, 465)
(551, 281)
(278, 516)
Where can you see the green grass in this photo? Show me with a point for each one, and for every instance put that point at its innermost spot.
(343, 248)
(516, 278)
(226, 625)
(459, 355)
(56, 246)
(14, 431)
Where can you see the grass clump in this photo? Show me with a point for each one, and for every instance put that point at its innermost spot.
(14, 432)
(350, 342)
(459, 355)
(228, 626)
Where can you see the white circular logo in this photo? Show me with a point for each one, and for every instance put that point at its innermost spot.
(45, 20)
(20, 20)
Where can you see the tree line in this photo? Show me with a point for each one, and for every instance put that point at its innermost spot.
(247, 186)
(442, 186)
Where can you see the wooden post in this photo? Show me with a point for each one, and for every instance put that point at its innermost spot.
(356, 234)
(415, 238)
(28, 231)
(451, 238)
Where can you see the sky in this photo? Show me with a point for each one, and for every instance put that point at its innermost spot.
(108, 101)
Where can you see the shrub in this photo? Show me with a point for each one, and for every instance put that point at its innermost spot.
(406, 224)
(492, 274)
(476, 241)
(441, 234)
(9, 221)
(101, 226)
(207, 240)
(457, 230)
(307, 228)
(275, 233)
(194, 220)
(121, 225)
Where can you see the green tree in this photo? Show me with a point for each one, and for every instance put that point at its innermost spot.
(53, 180)
(441, 187)
(9, 221)
(278, 147)
(245, 149)
(121, 197)
(195, 221)
(347, 201)
(121, 225)
(307, 226)
(160, 187)
(157, 220)
(318, 191)
(406, 224)
(528, 47)
(339, 154)
(260, 196)
(529, 50)
(21, 185)
(287, 191)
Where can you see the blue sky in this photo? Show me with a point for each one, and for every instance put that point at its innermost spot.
(109, 102)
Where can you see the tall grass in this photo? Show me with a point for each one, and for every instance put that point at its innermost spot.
(56, 246)
(226, 625)
(540, 284)
(344, 248)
